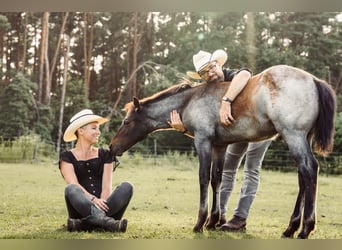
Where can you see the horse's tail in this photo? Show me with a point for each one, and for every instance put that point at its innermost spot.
(325, 123)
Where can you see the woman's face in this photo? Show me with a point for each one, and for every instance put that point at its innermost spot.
(90, 132)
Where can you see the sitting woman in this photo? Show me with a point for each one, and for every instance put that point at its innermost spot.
(87, 170)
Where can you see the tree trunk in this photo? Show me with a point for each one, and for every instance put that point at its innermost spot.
(132, 58)
(90, 47)
(128, 86)
(46, 61)
(8, 53)
(42, 57)
(54, 60)
(36, 61)
(86, 89)
(250, 41)
(135, 52)
(63, 92)
(18, 32)
(87, 48)
(23, 58)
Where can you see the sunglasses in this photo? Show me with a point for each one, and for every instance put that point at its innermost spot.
(204, 73)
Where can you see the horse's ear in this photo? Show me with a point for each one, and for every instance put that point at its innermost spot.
(136, 103)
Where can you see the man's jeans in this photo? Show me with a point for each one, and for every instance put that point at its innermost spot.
(79, 206)
(255, 152)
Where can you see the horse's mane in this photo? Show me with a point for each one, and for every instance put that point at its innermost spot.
(166, 93)
(180, 87)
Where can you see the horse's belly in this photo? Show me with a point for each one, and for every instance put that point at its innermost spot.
(245, 130)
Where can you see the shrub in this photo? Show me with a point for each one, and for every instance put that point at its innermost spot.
(28, 148)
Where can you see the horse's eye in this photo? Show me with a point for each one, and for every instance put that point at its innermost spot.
(125, 121)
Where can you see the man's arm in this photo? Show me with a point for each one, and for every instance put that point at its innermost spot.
(176, 122)
(236, 86)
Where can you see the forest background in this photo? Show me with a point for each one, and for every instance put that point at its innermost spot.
(53, 64)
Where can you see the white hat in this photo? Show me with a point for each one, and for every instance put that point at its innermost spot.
(79, 120)
(202, 58)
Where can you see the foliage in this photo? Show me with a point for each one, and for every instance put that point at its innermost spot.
(304, 40)
(338, 133)
(4, 24)
(44, 126)
(17, 107)
(28, 148)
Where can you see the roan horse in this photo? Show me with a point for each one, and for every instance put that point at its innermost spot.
(280, 100)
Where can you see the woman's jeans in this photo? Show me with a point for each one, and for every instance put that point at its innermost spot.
(79, 206)
(255, 152)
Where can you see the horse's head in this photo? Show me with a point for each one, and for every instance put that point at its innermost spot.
(145, 116)
(133, 129)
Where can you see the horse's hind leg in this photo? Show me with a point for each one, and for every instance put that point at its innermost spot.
(307, 175)
(296, 216)
(218, 154)
(310, 182)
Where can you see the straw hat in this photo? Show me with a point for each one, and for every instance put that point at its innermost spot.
(79, 120)
(202, 58)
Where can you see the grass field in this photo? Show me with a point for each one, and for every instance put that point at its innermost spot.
(164, 204)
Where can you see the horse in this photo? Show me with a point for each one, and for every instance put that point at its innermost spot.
(280, 101)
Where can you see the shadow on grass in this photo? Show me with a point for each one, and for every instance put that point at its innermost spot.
(220, 235)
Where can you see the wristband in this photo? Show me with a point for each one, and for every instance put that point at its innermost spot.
(93, 198)
(226, 99)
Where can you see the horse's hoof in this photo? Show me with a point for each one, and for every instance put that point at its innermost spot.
(283, 236)
(210, 227)
(301, 235)
(197, 229)
(287, 234)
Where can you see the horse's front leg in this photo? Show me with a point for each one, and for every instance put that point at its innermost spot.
(204, 154)
(218, 154)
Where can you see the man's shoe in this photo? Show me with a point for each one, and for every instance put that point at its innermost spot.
(237, 223)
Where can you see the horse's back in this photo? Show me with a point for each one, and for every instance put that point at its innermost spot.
(278, 99)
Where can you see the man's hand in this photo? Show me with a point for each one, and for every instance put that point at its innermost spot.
(226, 113)
(176, 122)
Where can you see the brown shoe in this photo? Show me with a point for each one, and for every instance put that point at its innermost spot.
(237, 223)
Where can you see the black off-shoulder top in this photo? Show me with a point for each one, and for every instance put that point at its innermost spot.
(89, 173)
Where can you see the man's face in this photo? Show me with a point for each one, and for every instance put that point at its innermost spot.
(212, 73)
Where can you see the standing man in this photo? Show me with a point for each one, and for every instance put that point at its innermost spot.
(209, 67)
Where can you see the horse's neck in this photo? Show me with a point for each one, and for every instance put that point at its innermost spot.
(160, 110)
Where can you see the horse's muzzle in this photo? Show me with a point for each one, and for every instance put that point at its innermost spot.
(115, 150)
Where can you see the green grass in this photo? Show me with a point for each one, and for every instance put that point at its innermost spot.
(164, 204)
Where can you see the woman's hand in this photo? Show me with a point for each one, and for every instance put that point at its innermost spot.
(101, 204)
